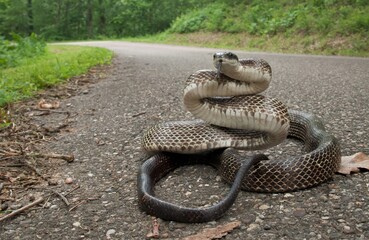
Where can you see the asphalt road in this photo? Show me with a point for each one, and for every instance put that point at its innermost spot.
(144, 87)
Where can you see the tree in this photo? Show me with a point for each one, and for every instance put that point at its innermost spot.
(30, 17)
(89, 19)
(70, 19)
(15, 18)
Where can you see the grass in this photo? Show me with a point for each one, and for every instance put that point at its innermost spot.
(56, 65)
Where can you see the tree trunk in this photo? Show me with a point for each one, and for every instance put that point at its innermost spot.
(89, 19)
(102, 18)
(30, 17)
(64, 20)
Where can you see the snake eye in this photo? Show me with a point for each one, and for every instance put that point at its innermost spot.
(217, 55)
(231, 55)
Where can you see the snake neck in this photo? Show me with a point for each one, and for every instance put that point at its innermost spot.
(241, 71)
(232, 103)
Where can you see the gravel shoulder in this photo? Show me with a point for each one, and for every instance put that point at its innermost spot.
(143, 87)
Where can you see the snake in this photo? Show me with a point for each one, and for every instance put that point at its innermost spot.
(232, 115)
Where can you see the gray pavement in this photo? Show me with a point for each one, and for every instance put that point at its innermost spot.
(144, 87)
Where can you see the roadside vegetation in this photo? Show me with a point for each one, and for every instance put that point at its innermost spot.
(328, 27)
(28, 65)
(331, 27)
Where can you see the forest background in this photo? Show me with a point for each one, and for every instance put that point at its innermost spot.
(310, 26)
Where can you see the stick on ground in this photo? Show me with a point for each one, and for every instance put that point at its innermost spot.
(22, 209)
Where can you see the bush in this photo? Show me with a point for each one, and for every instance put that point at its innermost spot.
(14, 52)
(56, 65)
(326, 17)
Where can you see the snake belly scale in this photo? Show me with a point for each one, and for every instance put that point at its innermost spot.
(235, 116)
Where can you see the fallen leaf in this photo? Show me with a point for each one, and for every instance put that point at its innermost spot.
(214, 233)
(354, 163)
(155, 230)
(48, 105)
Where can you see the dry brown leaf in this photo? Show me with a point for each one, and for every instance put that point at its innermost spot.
(48, 105)
(155, 230)
(214, 233)
(353, 163)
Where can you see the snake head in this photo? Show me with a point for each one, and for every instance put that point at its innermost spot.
(222, 59)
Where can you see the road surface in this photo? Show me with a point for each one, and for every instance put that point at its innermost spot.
(145, 87)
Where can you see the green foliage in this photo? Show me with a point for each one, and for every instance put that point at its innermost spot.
(19, 49)
(271, 17)
(58, 64)
(89, 19)
(92, 19)
(188, 23)
(13, 17)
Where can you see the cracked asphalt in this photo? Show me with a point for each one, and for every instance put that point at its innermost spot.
(144, 87)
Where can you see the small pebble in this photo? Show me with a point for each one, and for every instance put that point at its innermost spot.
(299, 212)
(77, 224)
(69, 180)
(267, 227)
(249, 219)
(52, 182)
(334, 196)
(347, 230)
(110, 232)
(264, 207)
(253, 227)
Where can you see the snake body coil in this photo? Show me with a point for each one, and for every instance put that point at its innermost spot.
(235, 116)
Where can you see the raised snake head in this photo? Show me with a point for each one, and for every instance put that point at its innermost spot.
(224, 59)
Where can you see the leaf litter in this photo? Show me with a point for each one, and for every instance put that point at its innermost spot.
(353, 163)
(26, 168)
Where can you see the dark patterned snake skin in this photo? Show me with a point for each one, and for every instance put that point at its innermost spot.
(234, 119)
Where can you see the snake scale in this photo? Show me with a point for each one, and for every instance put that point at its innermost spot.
(235, 116)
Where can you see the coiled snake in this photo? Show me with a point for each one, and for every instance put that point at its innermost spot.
(234, 116)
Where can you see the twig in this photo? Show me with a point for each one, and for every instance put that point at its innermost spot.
(51, 111)
(138, 114)
(48, 198)
(68, 158)
(82, 202)
(75, 188)
(28, 164)
(77, 205)
(65, 200)
(63, 197)
(22, 209)
(12, 165)
(7, 199)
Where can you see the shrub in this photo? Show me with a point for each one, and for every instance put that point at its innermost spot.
(19, 49)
